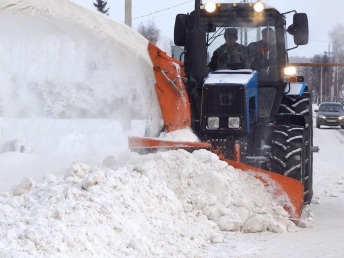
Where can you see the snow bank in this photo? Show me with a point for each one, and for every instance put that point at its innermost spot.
(100, 213)
(167, 204)
(61, 60)
(233, 199)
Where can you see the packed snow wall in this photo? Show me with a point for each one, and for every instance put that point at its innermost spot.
(61, 60)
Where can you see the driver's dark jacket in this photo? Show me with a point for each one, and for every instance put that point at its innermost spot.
(263, 59)
(222, 59)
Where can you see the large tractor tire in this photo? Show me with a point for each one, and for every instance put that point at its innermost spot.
(301, 105)
(288, 151)
(279, 148)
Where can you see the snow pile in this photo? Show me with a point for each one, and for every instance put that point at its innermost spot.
(166, 205)
(61, 60)
(233, 199)
(99, 213)
(184, 135)
(307, 217)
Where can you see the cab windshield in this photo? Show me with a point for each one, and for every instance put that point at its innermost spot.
(260, 44)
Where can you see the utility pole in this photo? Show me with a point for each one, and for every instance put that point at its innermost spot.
(332, 88)
(127, 18)
(127, 104)
(321, 84)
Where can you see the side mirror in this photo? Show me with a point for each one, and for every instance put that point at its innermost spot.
(299, 29)
(180, 29)
(316, 111)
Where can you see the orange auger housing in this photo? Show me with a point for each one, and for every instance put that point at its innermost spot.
(175, 108)
(170, 89)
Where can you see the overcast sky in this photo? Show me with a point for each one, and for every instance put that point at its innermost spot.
(322, 16)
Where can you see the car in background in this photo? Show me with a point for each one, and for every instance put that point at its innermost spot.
(330, 114)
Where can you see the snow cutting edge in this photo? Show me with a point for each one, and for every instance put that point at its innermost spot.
(175, 108)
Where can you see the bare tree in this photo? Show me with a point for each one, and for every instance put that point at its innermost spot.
(318, 75)
(337, 40)
(101, 7)
(149, 30)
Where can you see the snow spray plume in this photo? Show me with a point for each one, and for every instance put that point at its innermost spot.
(61, 60)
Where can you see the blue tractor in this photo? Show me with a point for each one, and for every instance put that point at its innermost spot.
(260, 113)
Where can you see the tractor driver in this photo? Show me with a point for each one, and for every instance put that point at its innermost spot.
(230, 55)
(263, 56)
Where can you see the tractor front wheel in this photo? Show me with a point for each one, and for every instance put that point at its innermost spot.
(288, 151)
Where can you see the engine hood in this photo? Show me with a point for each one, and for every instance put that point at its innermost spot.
(242, 76)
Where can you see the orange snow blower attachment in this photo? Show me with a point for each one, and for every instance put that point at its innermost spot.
(175, 108)
(174, 103)
(170, 89)
(281, 187)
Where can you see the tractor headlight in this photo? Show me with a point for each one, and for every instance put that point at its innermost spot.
(210, 6)
(233, 122)
(213, 122)
(341, 118)
(258, 7)
(322, 116)
(290, 70)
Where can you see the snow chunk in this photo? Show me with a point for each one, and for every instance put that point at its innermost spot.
(183, 135)
(77, 170)
(26, 185)
(307, 217)
(93, 178)
(47, 178)
(204, 156)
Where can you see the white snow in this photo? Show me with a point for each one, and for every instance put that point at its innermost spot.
(70, 76)
(169, 204)
(230, 77)
(62, 60)
(186, 135)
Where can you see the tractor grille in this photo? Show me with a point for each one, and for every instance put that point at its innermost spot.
(223, 100)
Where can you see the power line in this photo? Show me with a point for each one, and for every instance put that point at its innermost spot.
(162, 10)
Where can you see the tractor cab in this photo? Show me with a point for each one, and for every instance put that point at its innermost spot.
(261, 30)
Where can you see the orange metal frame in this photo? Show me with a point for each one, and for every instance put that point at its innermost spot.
(170, 89)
